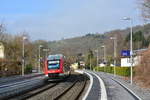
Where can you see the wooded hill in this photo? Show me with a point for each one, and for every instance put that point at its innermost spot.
(93, 41)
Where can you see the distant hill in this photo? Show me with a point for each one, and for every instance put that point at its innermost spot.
(77, 45)
(82, 44)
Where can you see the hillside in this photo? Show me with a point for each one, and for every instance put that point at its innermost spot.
(82, 44)
(77, 45)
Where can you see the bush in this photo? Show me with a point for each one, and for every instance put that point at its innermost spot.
(28, 68)
(122, 71)
(109, 69)
(9, 68)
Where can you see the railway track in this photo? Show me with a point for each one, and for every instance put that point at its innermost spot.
(74, 91)
(9, 90)
(71, 87)
(26, 95)
(18, 78)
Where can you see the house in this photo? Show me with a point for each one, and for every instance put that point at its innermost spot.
(126, 60)
(1, 50)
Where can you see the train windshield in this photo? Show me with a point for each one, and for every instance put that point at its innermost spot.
(53, 64)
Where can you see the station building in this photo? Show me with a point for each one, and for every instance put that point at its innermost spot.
(137, 54)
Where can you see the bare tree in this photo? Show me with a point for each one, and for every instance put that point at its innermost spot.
(145, 9)
(2, 32)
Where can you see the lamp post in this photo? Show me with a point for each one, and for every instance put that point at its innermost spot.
(40, 46)
(131, 48)
(46, 51)
(97, 56)
(104, 55)
(90, 64)
(23, 60)
(115, 53)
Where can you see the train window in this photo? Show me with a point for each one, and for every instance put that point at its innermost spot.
(53, 64)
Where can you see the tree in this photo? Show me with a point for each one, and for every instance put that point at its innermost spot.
(4, 36)
(138, 39)
(142, 71)
(109, 60)
(145, 8)
(148, 40)
(127, 39)
(90, 59)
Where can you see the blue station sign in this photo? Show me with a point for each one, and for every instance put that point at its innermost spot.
(125, 53)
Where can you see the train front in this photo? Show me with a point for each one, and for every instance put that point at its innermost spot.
(54, 66)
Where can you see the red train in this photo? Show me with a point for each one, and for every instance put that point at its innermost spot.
(56, 67)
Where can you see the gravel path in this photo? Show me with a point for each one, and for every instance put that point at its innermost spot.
(141, 92)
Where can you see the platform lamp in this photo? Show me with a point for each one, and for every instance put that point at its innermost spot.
(131, 48)
(39, 67)
(115, 52)
(23, 50)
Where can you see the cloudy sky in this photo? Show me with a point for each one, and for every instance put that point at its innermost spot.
(57, 19)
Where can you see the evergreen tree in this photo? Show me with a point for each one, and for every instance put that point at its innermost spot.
(138, 39)
(90, 60)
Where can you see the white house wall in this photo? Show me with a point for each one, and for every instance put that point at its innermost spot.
(125, 62)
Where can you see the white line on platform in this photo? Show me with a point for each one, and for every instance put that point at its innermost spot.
(103, 88)
(128, 89)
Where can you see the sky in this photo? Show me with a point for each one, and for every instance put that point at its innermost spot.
(58, 19)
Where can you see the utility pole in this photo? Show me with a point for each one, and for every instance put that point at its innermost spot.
(46, 52)
(39, 68)
(104, 55)
(97, 57)
(90, 64)
(115, 53)
(23, 60)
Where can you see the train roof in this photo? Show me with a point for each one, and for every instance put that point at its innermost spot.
(56, 56)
